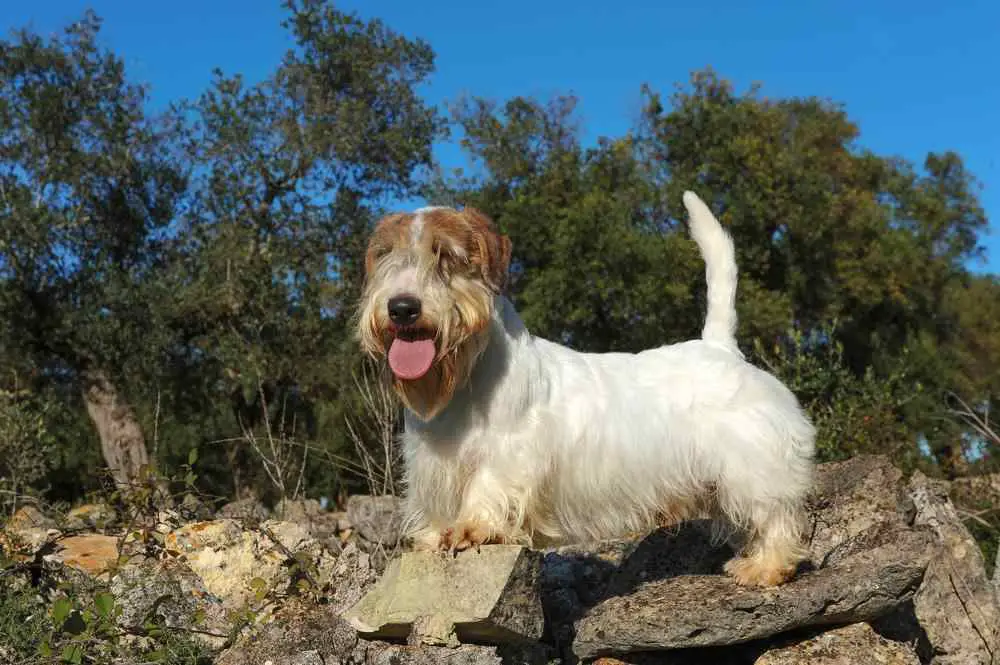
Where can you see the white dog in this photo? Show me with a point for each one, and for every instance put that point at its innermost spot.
(512, 438)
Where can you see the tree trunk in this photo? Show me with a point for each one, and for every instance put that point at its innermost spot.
(122, 441)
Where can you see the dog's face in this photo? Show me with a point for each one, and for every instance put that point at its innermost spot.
(430, 282)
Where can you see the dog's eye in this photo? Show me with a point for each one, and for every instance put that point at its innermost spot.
(450, 263)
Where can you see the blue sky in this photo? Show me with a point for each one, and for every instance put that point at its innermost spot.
(917, 75)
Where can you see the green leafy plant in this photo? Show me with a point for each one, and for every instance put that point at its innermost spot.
(852, 414)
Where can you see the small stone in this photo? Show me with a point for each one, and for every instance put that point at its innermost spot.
(244, 509)
(378, 519)
(91, 516)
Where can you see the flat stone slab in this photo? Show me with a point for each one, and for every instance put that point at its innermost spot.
(490, 596)
(699, 610)
(849, 645)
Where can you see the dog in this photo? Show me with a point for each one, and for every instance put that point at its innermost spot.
(510, 438)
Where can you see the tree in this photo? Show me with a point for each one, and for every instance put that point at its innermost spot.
(594, 264)
(88, 187)
(291, 175)
(827, 231)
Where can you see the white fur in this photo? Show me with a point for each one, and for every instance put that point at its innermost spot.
(547, 444)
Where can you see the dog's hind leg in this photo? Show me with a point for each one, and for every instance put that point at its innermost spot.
(774, 546)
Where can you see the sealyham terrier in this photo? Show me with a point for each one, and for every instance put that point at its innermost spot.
(512, 438)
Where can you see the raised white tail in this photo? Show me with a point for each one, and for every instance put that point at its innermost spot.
(720, 273)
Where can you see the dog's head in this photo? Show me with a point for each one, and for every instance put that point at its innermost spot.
(430, 281)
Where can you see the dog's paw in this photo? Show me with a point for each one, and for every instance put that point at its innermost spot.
(427, 539)
(747, 571)
(468, 535)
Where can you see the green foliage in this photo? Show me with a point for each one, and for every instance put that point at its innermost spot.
(204, 264)
(23, 621)
(25, 445)
(853, 414)
(823, 230)
(594, 265)
(85, 629)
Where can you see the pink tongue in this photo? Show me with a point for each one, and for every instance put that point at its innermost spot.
(411, 360)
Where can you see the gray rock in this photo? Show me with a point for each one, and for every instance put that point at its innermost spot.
(193, 509)
(974, 491)
(173, 594)
(245, 510)
(492, 595)
(32, 527)
(853, 502)
(577, 577)
(956, 604)
(91, 516)
(352, 577)
(393, 654)
(29, 517)
(996, 576)
(695, 611)
(299, 634)
(322, 525)
(378, 519)
(849, 645)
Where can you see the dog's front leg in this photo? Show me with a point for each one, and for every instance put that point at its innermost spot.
(485, 516)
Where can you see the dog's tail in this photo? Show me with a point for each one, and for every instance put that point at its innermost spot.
(720, 272)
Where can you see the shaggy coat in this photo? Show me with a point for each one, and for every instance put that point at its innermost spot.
(512, 438)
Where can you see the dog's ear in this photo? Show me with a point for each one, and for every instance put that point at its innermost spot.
(386, 234)
(493, 250)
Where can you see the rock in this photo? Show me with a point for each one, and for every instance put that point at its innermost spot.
(974, 491)
(577, 577)
(29, 517)
(850, 645)
(300, 633)
(229, 559)
(996, 576)
(91, 516)
(193, 509)
(245, 509)
(378, 519)
(956, 604)
(352, 576)
(94, 554)
(490, 596)
(294, 630)
(686, 549)
(855, 501)
(322, 525)
(170, 593)
(32, 527)
(392, 654)
(298, 510)
(695, 611)
(343, 523)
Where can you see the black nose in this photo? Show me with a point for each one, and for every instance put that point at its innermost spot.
(404, 310)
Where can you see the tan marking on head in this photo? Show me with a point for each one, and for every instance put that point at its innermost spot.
(470, 236)
(391, 233)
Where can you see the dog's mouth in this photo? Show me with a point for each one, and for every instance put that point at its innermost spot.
(411, 353)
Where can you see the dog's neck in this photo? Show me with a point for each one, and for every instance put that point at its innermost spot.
(507, 368)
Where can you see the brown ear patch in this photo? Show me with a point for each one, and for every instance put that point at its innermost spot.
(491, 250)
(390, 233)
